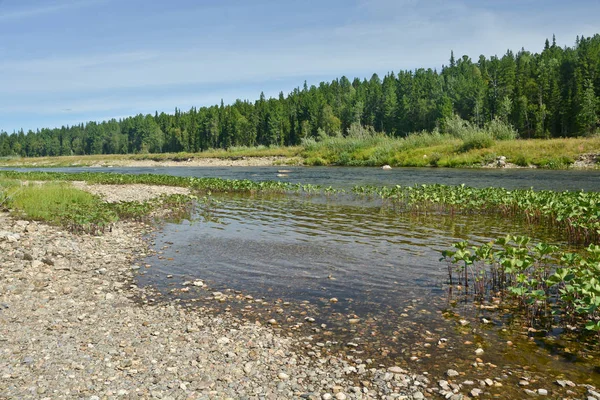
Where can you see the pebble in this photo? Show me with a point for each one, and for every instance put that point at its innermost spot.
(283, 376)
(223, 340)
(452, 373)
(397, 370)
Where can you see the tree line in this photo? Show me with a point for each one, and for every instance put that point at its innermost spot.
(554, 93)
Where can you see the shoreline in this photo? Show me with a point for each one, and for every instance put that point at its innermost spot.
(199, 162)
(585, 161)
(73, 325)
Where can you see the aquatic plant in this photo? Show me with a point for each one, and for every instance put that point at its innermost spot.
(576, 213)
(542, 279)
(215, 185)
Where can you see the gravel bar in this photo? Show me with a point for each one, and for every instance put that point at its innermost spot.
(72, 326)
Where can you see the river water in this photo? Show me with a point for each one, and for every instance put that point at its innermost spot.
(370, 277)
(346, 177)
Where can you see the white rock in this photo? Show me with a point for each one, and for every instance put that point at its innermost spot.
(396, 370)
(223, 340)
(283, 376)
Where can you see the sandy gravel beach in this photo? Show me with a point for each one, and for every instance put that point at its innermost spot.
(73, 326)
(201, 162)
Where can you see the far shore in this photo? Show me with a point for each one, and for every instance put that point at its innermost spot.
(580, 159)
(200, 162)
(124, 161)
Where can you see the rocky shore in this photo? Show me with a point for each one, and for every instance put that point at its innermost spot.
(72, 327)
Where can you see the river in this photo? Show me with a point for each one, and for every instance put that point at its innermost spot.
(357, 277)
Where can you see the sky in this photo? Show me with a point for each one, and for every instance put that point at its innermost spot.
(64, 62)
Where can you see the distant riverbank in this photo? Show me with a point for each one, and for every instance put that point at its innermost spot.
(427, 150)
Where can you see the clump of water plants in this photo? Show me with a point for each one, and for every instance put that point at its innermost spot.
(576, 213)
(542, 280)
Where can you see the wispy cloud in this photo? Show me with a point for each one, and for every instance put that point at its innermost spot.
(160, 51)
(43, 9)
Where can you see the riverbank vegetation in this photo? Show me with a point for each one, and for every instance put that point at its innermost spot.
(478, 148)
(59, 203)
(552, 286)
(543, 95)
(459, 144)
(577, 214)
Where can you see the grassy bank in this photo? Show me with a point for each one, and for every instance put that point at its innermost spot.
(443, 150)
(58, 203)
(417, 150)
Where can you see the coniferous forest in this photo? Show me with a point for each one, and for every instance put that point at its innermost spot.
(554, 93)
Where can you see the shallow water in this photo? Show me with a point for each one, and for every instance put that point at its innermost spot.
(382, 267)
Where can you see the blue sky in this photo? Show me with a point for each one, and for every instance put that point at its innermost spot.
(70, 61)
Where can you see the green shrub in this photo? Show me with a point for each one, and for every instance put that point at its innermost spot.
(500, 130)
(521, 160)
(434, 159)
(476, 140)
(457, 127)
(357, 131)
(424, 139)
(309, 143)
(315, 161)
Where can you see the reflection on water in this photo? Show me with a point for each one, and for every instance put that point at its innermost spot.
(382, 267)
(310, 249)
